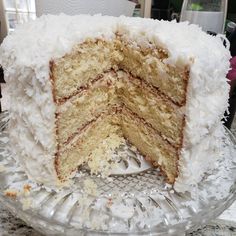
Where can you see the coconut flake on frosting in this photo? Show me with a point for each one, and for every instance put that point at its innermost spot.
(25, 56)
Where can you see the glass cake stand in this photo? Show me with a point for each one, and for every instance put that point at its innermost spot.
(133, 201)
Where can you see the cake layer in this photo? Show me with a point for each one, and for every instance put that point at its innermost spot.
(83, 64)
(148, 64)
(91, 58)
(81, 147)
(76, 112)
(150, 144)
(75, 70)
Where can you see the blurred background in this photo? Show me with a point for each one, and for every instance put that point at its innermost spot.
(13, 12)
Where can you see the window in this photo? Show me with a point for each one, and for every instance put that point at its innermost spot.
(143, 8)
(18, 11)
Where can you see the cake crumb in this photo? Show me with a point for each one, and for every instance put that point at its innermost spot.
(27, 188)
(12, 193)
(102, 159)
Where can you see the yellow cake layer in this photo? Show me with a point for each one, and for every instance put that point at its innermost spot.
(83, 64)
(81, 147)
(148, 65)
(92, 58)
(150, 144)
(85, 106)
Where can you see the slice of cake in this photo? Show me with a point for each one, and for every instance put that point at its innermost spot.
(76, 81)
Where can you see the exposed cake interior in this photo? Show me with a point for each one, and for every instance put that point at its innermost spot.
(107, 89)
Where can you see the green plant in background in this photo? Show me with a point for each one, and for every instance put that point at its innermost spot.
(195, 7)
(177, 4)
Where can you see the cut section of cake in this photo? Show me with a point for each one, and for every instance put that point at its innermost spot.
(99, 80)
(86, 79)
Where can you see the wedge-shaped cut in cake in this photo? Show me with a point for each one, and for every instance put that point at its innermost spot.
(86, 79)
(132, 87)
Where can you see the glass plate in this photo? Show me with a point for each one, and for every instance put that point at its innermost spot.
(137, 203)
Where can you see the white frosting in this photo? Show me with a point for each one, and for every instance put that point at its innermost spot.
(25, 57)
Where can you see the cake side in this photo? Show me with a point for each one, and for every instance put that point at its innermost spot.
(32, 121)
